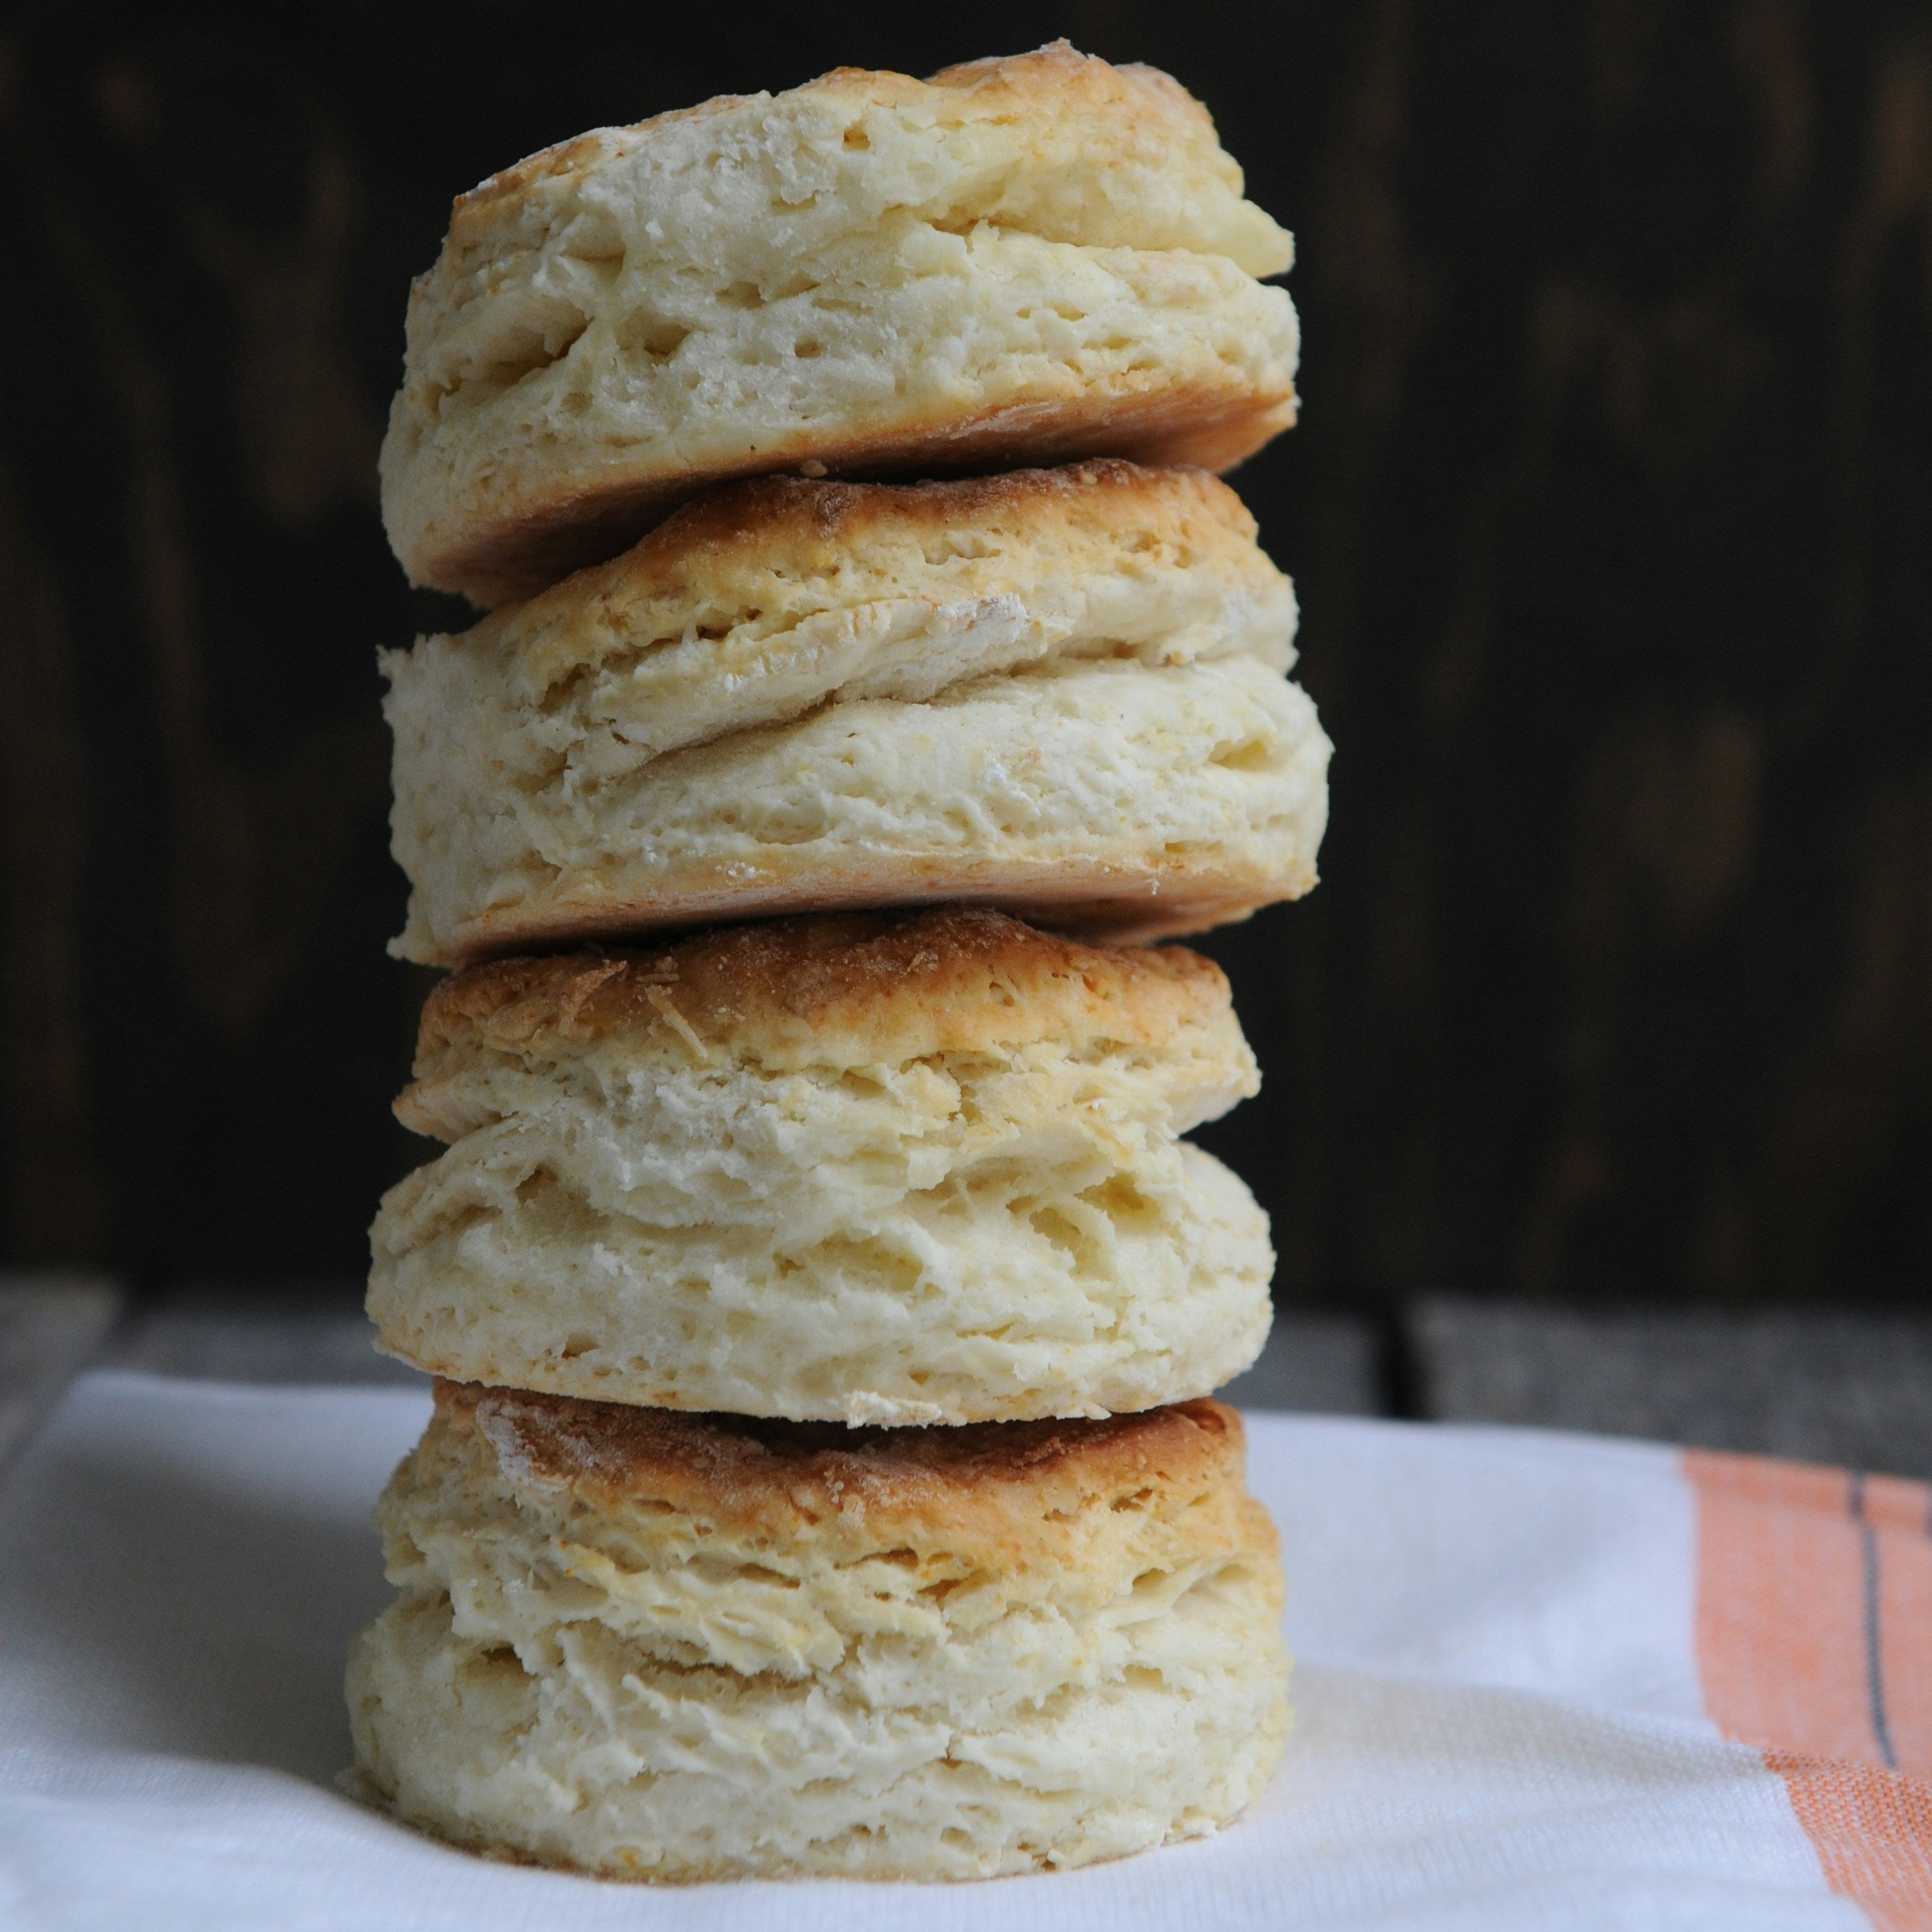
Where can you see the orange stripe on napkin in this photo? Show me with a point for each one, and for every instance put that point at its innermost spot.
(1873, 1833)
(1814, 1643)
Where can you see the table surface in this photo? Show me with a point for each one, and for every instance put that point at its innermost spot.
(1848, 1389)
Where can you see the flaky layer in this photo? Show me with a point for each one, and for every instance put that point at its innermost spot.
(921, 1170)
(797, 695)
(1025, 260)
(651, 1647)
(1057, 1291)
(1116, 797)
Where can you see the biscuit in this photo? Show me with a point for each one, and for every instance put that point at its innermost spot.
(655, 1646)
(1059, 691)
(1023, 260)
(905, 1169)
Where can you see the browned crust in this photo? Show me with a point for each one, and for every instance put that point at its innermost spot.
(1050, 78)
(506, 553)
(797, 528)
(751, 1475)
(787, 523)
(1121, 905)
(842, 988)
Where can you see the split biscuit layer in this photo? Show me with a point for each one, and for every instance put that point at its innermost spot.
(920, 1168)
(656, 1646)
(1020, 261)
(1060, 692)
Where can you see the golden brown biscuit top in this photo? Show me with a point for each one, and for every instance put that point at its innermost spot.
(749, 1475)
(801, 524)
(760, 556)
(842, 989)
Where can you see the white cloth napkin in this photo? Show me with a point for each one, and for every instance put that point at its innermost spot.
(1500, 1723)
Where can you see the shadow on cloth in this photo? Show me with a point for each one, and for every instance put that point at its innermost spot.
(201, 1615)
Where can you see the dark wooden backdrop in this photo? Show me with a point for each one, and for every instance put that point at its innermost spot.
(1611, 513)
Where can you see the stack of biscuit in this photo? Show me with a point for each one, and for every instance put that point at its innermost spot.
(824, 1303)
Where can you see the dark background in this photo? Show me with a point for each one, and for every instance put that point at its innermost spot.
(1611, 514)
